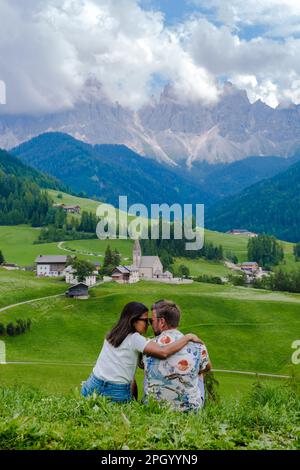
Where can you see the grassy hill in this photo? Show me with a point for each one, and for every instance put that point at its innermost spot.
(20, 286)
(244, 329)
(17, 244)
(265, 419)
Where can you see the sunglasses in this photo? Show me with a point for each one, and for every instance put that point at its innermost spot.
(148, 321)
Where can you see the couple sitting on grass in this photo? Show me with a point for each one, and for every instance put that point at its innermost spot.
(174, 363)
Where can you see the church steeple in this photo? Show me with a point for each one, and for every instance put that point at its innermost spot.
(137, 253)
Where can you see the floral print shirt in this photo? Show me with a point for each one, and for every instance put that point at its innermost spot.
(177, 379)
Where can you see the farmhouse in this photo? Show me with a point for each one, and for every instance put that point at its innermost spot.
(50, 266)
(69, 209)
(242, 232)
(249, 267)
(125, 275)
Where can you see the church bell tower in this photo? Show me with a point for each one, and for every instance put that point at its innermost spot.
(137, 253)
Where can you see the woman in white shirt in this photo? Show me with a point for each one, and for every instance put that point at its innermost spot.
(115, 369)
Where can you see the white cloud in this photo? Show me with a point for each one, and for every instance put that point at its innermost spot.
(280, 16)
(49, 50)
(272, 65)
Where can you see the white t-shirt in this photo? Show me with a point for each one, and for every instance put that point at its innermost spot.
(118, 365)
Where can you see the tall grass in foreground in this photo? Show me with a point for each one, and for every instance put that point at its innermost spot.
(267, 418)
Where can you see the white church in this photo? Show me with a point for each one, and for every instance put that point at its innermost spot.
(143, 267)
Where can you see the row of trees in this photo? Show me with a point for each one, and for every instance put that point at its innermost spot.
(177, 248)
(209, 279)
(280, 281)
(265, 250)
(22, 201)
(15, 329)
(59, 228)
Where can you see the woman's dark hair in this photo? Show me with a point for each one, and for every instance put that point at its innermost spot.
(130, 314)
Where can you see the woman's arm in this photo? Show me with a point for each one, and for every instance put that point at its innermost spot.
(163, 352)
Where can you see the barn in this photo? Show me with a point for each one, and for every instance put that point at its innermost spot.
(80, 291)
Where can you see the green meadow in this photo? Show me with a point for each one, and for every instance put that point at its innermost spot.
(20, 286)
(244, 330)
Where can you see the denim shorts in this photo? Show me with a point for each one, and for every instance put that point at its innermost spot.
(119, 393)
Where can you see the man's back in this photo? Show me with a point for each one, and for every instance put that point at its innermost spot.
(176, 379)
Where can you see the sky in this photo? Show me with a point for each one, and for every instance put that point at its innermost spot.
(51, 49)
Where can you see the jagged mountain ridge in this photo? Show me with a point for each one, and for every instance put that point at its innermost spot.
(170, 130)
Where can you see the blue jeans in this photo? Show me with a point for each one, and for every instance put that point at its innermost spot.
(119, 393)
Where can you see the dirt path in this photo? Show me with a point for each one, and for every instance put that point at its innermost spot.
(29, 302)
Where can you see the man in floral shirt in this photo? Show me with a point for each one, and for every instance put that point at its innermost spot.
(179, 378)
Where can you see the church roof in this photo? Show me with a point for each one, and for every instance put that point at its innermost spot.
(148, 261)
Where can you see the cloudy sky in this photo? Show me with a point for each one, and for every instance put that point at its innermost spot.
(49, 49)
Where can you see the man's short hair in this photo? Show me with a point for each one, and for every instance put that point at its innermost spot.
(169, 311)
(157, 304)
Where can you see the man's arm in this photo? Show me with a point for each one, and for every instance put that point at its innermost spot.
(163, 352)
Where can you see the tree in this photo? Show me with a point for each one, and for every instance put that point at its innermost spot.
(265, 250)
(231, 256)
(183, 271)
(112, 259)
(2, 260)
(297, 251)
(10, 329)
(82, 269)
(116, 258)
(108, 257)
(239, 279)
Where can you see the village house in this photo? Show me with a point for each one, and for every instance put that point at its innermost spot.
(242, 232)
(249, 267)
(71, 278)
(79, 291)
(125, 275)
(143, 267)
(50, 266)
(69, 209)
